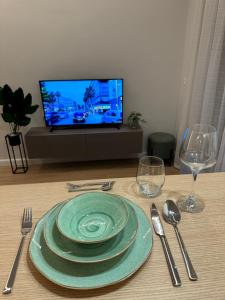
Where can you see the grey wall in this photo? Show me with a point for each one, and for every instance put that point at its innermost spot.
(139, 40)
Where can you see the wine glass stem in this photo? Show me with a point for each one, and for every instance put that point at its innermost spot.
(192, 193)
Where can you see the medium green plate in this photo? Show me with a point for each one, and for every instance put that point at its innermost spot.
(95, 275)
(92, 217)
(84, 253)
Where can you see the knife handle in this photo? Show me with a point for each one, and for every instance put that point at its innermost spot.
(170, 262)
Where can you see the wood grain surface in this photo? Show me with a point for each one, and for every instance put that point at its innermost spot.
(203, 235)
(53, 172)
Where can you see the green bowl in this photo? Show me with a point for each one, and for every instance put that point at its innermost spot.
(89, 253)
(92, 217)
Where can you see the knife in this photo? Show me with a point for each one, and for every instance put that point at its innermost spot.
(169, 258)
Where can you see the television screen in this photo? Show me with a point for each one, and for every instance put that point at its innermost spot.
(82, 102)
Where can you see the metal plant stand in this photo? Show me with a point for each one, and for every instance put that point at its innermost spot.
(17, 154)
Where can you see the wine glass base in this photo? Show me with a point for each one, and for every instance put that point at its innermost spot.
(191, 204)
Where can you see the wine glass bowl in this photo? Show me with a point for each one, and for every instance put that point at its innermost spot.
(198, 151)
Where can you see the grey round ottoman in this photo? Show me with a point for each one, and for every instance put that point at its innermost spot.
(163, 145)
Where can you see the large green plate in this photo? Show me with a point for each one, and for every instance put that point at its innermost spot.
(79, 252)
(95, 275)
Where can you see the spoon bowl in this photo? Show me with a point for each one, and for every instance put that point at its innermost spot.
(171, 212)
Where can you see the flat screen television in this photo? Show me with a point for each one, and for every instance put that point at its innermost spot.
(81, 103)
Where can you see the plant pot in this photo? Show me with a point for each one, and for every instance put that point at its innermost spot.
(14, 139)
(134, 125)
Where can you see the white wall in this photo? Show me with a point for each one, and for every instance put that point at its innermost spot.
(139, 40)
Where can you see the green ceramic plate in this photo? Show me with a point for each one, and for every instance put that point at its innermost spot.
(95, 275)
(87, 253)
(92, 217)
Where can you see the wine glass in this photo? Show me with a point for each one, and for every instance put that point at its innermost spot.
(150, 176)
(198, 151)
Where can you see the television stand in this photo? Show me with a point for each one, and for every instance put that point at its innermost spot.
(51, 128)
(84, 144)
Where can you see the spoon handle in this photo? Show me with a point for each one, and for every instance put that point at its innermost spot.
(189, 267)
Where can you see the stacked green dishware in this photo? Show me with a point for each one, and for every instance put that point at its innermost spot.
(93, 240)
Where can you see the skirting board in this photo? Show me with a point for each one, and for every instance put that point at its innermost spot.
(6, 162)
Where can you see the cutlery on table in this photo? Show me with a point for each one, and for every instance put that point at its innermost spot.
(72, 185)
(25, 229)
(172, 215)
(106, 186)
(169, 258)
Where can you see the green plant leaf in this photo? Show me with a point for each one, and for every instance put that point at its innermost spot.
(7, 117)
(24, 122)
(16, 106)
(7, 94)
(18, 99)
(32, 109)
(7, 108)
(1, 98)
(28, 101)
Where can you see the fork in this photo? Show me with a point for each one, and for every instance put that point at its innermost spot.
(25, 229)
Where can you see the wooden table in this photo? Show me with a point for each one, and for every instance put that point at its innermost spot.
(203, 233)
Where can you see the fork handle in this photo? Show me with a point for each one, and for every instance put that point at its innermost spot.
(10, 281)
(84, 189)
(87, 184)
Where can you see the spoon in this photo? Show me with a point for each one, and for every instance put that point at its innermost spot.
(172, 216)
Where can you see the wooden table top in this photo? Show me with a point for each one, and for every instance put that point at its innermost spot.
(203, 235)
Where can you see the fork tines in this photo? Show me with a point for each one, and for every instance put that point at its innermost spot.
(27, 215)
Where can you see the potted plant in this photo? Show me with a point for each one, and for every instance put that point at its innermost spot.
(134, 120)
(16, 107)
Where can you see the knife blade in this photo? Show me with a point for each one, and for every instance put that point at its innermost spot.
(158, 227)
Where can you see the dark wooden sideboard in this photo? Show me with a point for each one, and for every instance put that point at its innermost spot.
(84, 144)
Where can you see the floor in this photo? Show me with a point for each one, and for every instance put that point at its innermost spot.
(74, 171)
